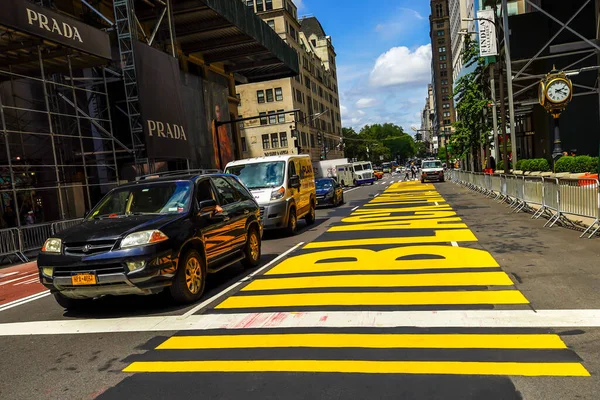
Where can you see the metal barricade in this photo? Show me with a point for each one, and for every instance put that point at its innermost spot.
(511, 191)
(579, 197)
(533, 193)
(551, 200)
(34, 236)
(495, 186)
(10, 244)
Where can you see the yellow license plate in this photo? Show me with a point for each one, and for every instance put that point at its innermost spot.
(83, 279)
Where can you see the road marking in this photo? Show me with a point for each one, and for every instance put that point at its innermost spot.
(354, 209)
(439, 236)
(240, 282)
(23, 300)
(367, 341)
(349, 190)
(374, 299)
(383, 280)
(558, 319)
(27, 282)
(365, 367)
(18, 279)
(454, 244)
(8, 274)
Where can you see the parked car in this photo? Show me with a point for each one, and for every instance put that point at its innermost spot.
(329, 192)
(153, 235)
(432, 170)
(283, 186)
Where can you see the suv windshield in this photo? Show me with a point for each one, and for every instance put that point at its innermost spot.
(156, 198)
(432, 164)
(260, 175)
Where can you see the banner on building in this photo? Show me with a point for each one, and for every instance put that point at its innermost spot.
(488, 45)
(27, 17)
(161, 103)
(217, 111)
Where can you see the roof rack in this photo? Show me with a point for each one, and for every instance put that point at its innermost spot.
(178, 173)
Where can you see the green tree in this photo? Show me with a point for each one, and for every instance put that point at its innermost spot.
(421, 149)
(472, 125)
(442, 154)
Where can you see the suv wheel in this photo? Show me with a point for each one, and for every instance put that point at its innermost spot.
(252, 249)
(311, 216)
(190, 278)
(292, 225)
(71, 304)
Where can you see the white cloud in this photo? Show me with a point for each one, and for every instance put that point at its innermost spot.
(299, 4)
(400, 66)
(365, 102)
(415, 13)
(402, 22)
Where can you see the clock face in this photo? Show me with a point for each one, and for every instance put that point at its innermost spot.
(558, 91)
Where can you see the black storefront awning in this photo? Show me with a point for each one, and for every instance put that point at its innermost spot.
(24, 26)
(226, 31)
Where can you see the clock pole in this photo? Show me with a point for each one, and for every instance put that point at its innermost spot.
(557, 152)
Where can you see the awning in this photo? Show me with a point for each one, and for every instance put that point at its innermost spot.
(24, 26)
(226, 31)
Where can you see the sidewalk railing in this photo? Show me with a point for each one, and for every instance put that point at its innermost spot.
(557, 199)
(15, 242)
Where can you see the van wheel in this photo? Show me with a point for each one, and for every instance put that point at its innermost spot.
(71, 304)
(311, 216)
(292, 225)
(190, 279)
(354, 182)
(252, 249)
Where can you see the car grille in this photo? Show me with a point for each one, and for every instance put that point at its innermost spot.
(101, 269)
(89, 248)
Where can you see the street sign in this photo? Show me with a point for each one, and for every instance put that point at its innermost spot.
(381, 158)
(487, 33)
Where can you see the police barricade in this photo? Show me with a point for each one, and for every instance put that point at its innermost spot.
(533, 192)
(10, 244)
(34, 236)
(551, 200)
(496, 186)
(511, 191)
(580, 197)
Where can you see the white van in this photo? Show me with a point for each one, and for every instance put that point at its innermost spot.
(358, 173)
(283, 186)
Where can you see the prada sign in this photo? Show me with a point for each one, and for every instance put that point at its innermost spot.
(24, 16)
(161, 103)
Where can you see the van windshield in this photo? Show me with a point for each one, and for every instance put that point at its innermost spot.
(358, 167)
(367, 166)
(432, 164)
(259, 175)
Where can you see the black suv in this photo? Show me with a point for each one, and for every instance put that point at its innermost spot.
(154, 234)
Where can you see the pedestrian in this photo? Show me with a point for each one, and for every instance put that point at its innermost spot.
(492, 163)
(406, 177)
(413, 171)
(29, 218)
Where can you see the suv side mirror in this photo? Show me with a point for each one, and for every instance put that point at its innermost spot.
(207, 206)
(294, 181)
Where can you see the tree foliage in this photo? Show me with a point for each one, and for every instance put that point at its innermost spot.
(472, 125)
(379, 140)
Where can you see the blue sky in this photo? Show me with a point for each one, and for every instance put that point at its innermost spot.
(383, 57)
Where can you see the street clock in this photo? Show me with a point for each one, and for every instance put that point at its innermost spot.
(555, 92)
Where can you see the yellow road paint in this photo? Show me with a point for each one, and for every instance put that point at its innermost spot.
(387, 216)
(439, 236)
(375, 299)
(444, 223)
(433, 257)
(381, 280)
(441, 207)
(365, 367)
(367, 341)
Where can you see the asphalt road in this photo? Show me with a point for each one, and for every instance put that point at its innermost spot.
(425, 292)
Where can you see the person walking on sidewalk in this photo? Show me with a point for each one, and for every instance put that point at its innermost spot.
(406, 176)
(413, 171)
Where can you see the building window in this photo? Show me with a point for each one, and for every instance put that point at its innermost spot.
(439, 10)
(281, 117)
(443, 58)
(299, 96)
(443, 73)
(271, 23)
(244, 145)
(444, 90)
(444, 81)
(274, 140)
(447, 122)
(250, 4)
(260, 5)
(306, 82)
(269, 4)
(441, 41)
(263, 118)
(337, 115)
(442, 49)
(440, 33)
(440, 25)
(260, 96)
(330, 98)
(314, 88)
(446, 105)
(278, 94)
(283, 139)
(312, 140)
(446, 113)
(272, 117)
(265, 141)
(239, 99)
(269, 95)
(293, 33)
(443, 66)
(445, 98)
(304, 144)
(336, 103)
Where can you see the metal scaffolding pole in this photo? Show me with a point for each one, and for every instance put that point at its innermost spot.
(10, 167)
(51, 130)
(494, 112)
(509, 78)
(114, 152)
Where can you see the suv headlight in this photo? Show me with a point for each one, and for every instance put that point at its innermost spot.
(52, 245)
(278, 194)
(143, 238)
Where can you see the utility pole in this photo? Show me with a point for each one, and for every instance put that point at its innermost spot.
(494, 112)
(503, 124)
(507, 59)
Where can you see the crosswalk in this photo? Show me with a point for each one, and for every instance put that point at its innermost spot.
(406, 249)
